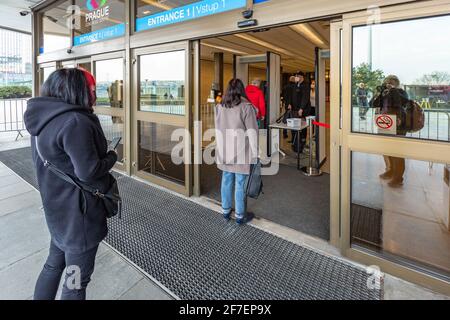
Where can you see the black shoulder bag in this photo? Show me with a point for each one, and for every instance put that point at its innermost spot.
(111, 198)
(253, 184)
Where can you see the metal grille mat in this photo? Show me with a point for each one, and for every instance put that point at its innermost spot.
(193, 252)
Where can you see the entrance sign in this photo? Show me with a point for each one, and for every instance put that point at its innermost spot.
(386, 123)
(117, 30)
(188, 12)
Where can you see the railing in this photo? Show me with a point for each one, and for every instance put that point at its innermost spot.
(11, 115)
(437, 124)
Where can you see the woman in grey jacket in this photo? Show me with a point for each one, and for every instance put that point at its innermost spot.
(237, 147)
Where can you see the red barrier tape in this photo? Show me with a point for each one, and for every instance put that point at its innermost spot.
(320, 124)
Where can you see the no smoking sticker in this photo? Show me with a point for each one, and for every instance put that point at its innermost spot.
(384, 122)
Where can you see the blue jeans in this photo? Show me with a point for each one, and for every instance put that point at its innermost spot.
(48, 281)
(236, 180)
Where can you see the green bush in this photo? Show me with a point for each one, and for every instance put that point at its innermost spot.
(12, 92)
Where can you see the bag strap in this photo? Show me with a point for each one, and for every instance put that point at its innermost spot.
(64, 176)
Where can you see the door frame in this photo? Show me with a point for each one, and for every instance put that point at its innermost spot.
(161, 118)
(336, 131)
(344, 141)
(108, 111)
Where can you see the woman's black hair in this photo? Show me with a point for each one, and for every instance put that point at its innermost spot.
(69, 85)
(234, 94)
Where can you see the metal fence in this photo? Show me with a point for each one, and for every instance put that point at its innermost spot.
(437, 124)
(11, 115)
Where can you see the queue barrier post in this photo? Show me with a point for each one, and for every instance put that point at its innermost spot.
(310, 170)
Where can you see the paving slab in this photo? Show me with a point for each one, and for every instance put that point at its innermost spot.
(19, 202)
(146, 290)
(17, 281)
(112, 277)
(22, 233)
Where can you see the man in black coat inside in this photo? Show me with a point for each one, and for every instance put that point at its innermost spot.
(300, 103)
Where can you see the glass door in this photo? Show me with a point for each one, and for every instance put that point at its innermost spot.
(394, 142)
(109, 71)
(45, 70)
(161, 116)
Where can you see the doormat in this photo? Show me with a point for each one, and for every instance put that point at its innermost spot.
(196, 254)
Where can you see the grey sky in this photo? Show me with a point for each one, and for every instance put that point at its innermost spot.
(408, 49)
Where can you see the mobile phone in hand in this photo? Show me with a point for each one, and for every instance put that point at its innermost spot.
(114, 143)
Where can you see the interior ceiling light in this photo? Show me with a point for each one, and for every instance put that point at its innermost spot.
(224, 48)
(308, 32)
(264, 44)
(158, 4)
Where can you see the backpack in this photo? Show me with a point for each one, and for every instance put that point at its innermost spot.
(415, 117)
(253, 184)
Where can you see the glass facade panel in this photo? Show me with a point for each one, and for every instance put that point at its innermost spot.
(162, 82)
(113, 127)
(155, 151)
(400, 208)
(99, 20)
(56, 31)
(152, 14)
(15, 60)
(401, 79)
(47, 72)
(148, 7)
(109, 75)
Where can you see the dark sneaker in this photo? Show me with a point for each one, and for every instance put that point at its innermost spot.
(227, 216)
(246, 219)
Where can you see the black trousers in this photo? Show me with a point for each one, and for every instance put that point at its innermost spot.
(78, 274)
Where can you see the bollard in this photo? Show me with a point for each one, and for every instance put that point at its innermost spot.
(310, 171)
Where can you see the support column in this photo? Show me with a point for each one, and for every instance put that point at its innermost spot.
(218, 70)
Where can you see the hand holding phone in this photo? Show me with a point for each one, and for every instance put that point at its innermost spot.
(114, 143)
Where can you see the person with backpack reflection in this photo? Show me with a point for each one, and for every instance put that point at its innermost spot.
(390, 99)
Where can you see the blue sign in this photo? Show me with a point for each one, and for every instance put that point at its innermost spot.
(117, 30)
(189, 12)
(259, 1)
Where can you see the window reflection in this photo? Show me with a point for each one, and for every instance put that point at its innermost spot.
(55, 30)
(149, 7)
(113, 127)
(155, 151)
(162, 82)
(401, 209)
(401, 79)
(109, 75)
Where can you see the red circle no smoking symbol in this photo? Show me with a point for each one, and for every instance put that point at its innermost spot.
(384, 121)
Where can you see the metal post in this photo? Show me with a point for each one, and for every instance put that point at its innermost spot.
(311, 171)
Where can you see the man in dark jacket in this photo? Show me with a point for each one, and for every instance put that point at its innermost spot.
(69, 136)
(286, 94)
(391, 99)
(299, 103)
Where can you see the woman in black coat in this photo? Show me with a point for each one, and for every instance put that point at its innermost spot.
(69, 136)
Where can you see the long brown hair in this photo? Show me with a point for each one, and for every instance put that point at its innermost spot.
(234, 94)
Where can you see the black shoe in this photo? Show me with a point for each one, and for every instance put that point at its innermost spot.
(246, 219)
(227, 216)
